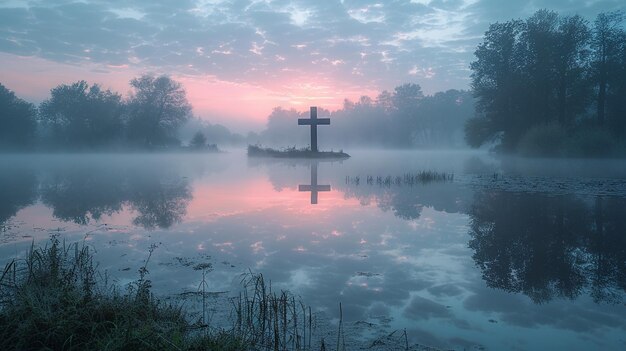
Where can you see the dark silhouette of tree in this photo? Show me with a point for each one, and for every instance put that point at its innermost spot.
(537, 53)
(17, 120)
(550, 72)
(496, 81)
(82, 115)
(572, 54)
(156, 108)
(198, 141)
(607, 43)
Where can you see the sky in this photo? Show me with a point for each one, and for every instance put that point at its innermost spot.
(239, 59)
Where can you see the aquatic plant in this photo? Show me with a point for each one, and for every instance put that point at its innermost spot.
(408, 179)
(270, 319)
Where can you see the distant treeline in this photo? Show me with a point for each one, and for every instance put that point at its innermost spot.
(402, 118)
(82, 116)
(552, 85)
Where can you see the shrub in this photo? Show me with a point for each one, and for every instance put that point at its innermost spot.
(543, 140)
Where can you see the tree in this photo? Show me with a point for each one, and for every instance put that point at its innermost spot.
(82, 115)
(198, 141)
(571, 60)
(441, 117)
(156, 109)
(541, 72)
(406, 100)
(496, 81)
(17, 120)
(607, 37)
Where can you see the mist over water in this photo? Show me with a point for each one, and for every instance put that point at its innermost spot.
(508, 252)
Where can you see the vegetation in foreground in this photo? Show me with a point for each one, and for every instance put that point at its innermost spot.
(54, 299)
(292, 152)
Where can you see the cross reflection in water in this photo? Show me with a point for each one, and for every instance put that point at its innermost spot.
(314, 188)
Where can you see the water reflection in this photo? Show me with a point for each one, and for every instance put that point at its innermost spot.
(407, 202)
(394, 253)
(81, 193)
(313, 187)
(550, 246)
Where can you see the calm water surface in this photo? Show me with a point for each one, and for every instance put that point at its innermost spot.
(509, 254)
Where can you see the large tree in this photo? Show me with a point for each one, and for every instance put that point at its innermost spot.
(79, 115)
(17, 120)
(549, 76)
(496, 79)
(572, 53)
(608, 37)
(157, 107)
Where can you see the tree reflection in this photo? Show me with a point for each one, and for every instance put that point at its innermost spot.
(159, 203)
(82, 194)
(17, 190)
(550, 246)
(407, 202)
(79, 195)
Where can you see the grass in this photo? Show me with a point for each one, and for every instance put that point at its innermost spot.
(271, 320)
(293, 152)
(55, 299)
(408, 179)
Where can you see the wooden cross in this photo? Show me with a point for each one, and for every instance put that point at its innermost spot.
(314, 187)
(313, 122)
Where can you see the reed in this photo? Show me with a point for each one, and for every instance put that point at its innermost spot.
(269, 319)
(407, 179)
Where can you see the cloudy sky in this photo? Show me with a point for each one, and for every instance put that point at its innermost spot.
(238, 59)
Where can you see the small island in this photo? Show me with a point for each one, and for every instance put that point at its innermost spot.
(293, 152)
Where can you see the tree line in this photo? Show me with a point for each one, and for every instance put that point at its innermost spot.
(403, 118)
(156, 114)
(83, 116)
(551, 84)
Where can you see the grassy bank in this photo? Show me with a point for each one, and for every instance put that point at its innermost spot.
(56, 299)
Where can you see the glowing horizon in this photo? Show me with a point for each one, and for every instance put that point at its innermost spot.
(239, 106)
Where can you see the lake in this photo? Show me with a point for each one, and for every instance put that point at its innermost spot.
(464, 250)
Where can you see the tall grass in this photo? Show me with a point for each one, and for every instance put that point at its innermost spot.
(269, 319)
(54, 299)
